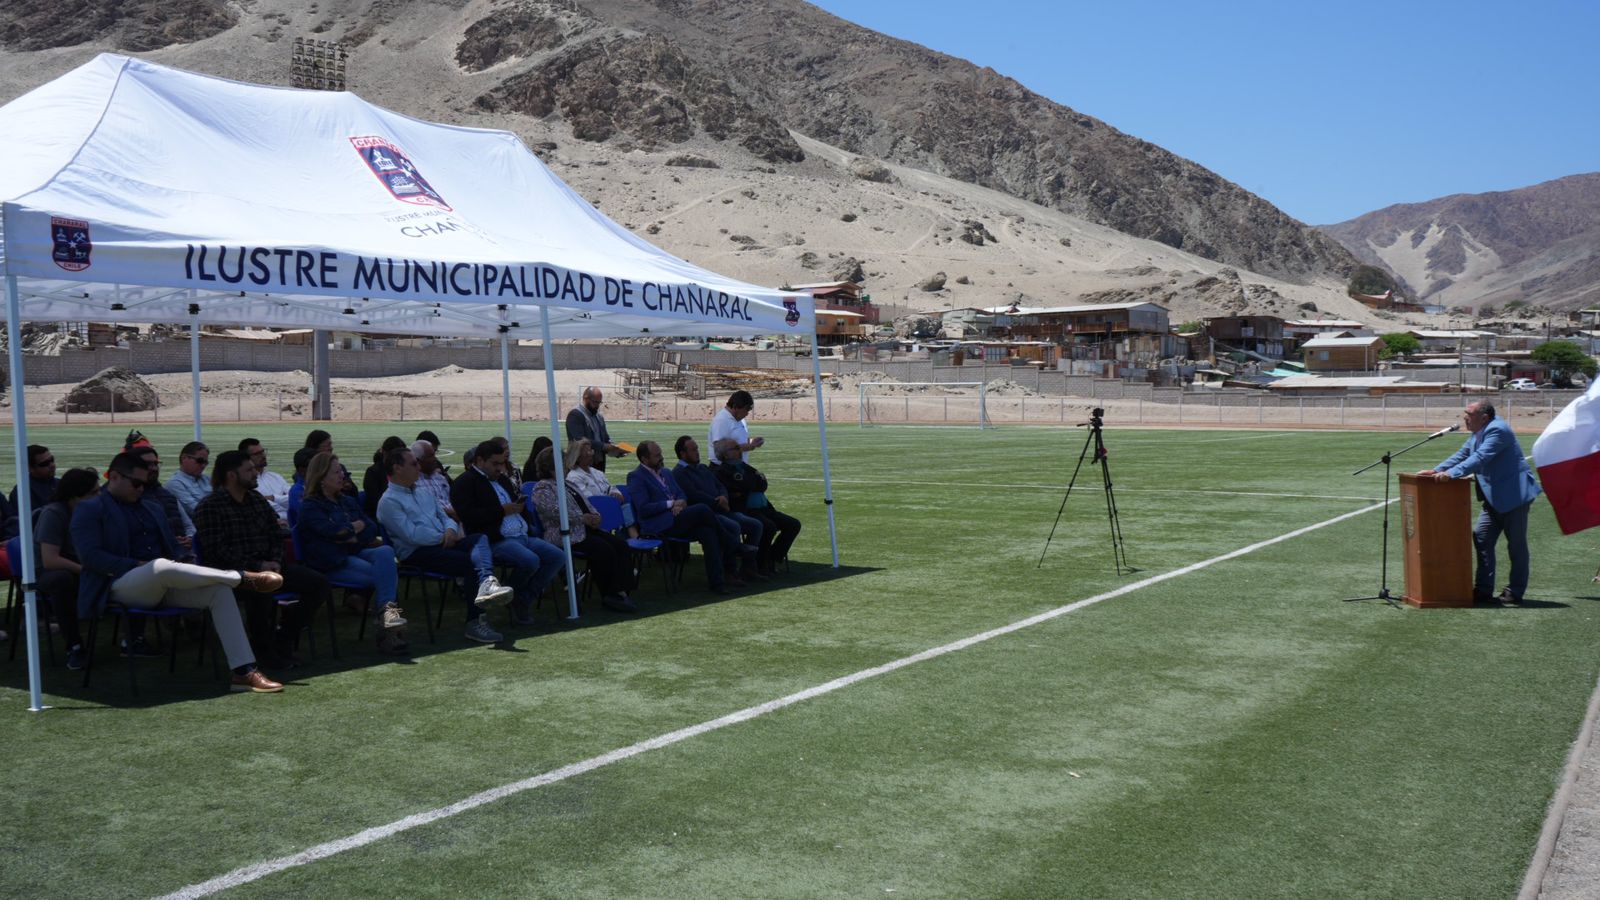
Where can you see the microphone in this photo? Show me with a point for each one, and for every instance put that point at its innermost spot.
(1444, 431)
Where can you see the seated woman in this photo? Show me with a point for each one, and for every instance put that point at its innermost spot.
(338, 539)
(539, 443)
(58, 566)
(610, 563)
(592, 482)
(375, 480)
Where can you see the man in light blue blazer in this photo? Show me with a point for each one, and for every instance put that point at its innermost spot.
(1507, 489)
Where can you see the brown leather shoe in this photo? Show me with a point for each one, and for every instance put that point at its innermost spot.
(261, 582)
(253, 680)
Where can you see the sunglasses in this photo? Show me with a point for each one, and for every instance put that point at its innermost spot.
(45, 463)
(202, 460)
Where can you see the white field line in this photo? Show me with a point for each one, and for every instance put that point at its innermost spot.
(1055, 487)
(247, 874)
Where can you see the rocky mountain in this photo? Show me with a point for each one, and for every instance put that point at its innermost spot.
(764, 138)
(1534, 246)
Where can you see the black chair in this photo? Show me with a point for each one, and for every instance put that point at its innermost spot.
(16, 601)
(118, 611)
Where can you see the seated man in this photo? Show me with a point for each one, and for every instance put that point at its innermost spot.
(491, 504)
(178, 520)
(747, 492)
(269, 484)
(123, 545)
(433, 479)
(190, 484)
(41, 486)
(423, 536)
(664, 510)
(236, 528)
(700, 485)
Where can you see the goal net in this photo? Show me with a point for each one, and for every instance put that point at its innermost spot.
(923, 403)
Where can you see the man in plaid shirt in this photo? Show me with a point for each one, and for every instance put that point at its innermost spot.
(237, 528)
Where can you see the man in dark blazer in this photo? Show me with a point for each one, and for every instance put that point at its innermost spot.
(491, 504)
(585, 421)
(127, 550)
(1507, 489)
(662, 509)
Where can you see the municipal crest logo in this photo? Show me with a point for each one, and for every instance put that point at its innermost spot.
(791, 313)
(69, 243)
(396, 171)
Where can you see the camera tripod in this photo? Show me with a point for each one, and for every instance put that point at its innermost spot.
(1119, 556)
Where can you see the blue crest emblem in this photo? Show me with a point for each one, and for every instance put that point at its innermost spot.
(395, 171)
(69, 243)
(791, 313)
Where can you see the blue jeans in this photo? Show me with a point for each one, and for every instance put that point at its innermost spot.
(1486, 533)
(470, 556)
(375, 568)
(534, 564)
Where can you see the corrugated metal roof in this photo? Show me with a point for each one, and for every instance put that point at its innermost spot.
(1453, 335)
(1057, 310)
(1320, 342)
(1307, 381)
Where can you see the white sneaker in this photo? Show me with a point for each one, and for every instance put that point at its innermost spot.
(392, 618)
(479, 630)
(492, 593)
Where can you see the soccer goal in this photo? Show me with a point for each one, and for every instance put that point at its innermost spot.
(923, 402)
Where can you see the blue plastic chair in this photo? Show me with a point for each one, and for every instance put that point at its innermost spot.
(644, 549)
(118, 611)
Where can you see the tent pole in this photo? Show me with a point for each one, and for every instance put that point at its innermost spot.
(505, 384)
(194, 363)
(548, 352)
(822, 429)
(19, 440)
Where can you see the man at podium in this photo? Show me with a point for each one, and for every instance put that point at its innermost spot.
(1507, 489)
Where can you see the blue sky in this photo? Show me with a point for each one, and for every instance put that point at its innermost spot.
(1326, 109)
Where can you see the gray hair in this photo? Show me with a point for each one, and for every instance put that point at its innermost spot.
(573, 449)
(421, 448)
(723, 444)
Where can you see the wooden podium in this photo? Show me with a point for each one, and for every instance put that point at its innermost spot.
(1436, 530)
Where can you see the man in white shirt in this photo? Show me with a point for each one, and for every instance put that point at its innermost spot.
(728, 424)
(270, 485)
(433, 480)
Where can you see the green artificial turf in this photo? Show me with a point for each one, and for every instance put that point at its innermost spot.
(1234, 731)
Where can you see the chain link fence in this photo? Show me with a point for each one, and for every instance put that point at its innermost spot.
(950, 407)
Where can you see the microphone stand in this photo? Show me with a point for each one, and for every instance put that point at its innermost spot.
(1385, 461)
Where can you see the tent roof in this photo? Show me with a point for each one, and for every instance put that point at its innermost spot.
(139, 193)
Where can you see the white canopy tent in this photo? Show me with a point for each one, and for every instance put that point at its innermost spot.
(133, 192)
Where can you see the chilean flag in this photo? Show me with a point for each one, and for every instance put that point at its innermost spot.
(1567, 456)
